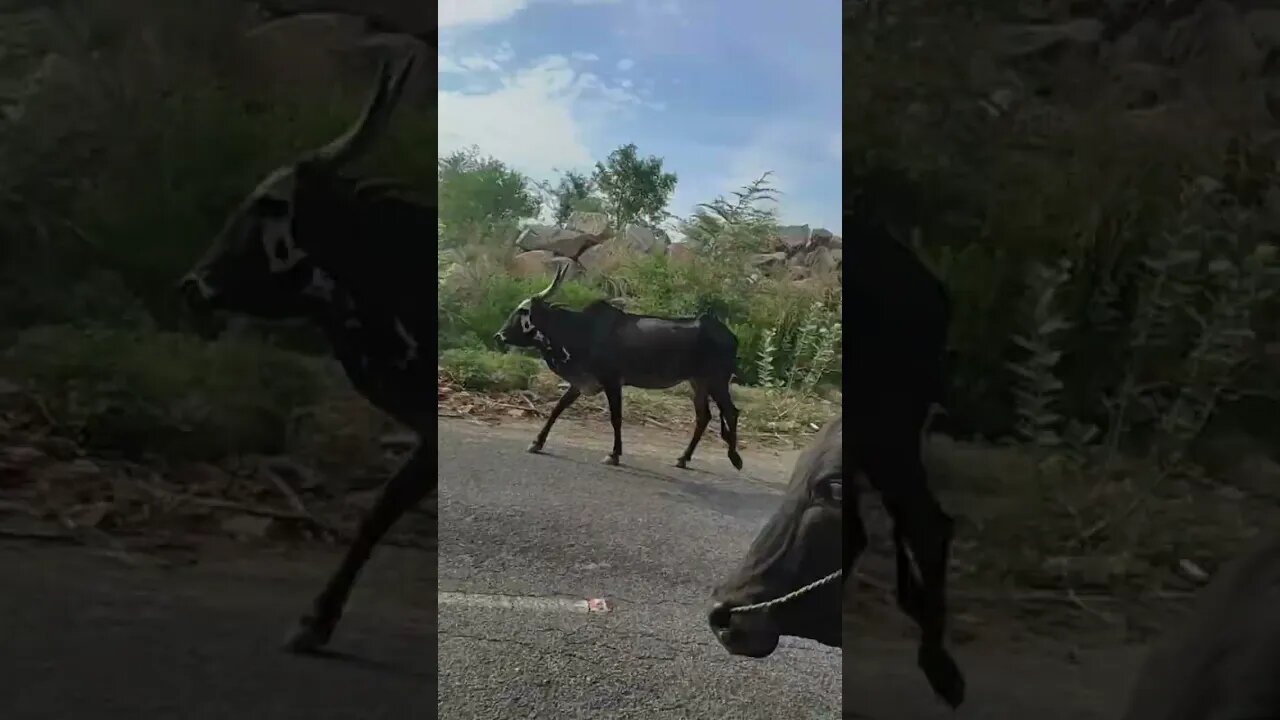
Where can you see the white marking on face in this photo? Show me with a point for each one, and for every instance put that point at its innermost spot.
(277, 242)
(277, 232)
(411, 344)
(321, 286)
(526, 324)
(202, 286)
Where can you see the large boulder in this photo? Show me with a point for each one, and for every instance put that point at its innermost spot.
(606, 257)
(644, 239)
(1037, 41)
(822, 262)
(792, 237)
(820, 237)
(564, 242)
(589, 223)
(768, 260)
(1215, 44)
(314, 49)
(532, 263)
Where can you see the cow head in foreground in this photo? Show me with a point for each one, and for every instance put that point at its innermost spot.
(603, 348)
(799, 545)
(274, 255)
(1224, 660)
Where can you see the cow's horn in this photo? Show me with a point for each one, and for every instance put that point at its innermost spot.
(561, 271)
(372, 122)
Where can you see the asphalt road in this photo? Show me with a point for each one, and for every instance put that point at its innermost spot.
(522, 538)
(650, 539)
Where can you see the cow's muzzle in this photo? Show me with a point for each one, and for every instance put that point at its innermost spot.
(195, 291)
(500, 339)
(753, 634)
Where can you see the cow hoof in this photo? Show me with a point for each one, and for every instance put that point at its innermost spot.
(535, 447)
(943, 675)
(611, 460)
(682, 463)
(736, 459)
(307, 638)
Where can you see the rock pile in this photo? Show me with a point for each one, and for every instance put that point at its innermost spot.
(804, 253)
(586, 243)
(1156, 59)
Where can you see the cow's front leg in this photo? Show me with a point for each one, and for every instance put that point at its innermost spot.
(565, 401)
(412, 482)
(613, 393)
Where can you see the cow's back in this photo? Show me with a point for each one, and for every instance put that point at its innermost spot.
(656, 352)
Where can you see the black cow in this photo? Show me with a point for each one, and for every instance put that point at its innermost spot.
(604, 348)
(897, 314)
(352, 256)
(1225, 661)
(799, 546)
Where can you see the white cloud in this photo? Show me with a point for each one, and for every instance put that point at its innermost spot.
(475, 63)
(625, 83)
(453, 13)
(536, 119)
(447, 65)
(585, 56)
(794, 151)
(626, 64)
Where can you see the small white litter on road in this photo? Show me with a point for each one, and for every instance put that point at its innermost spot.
(524, 602)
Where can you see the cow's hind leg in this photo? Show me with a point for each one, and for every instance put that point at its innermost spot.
(565, 401)
(923, 528)
(702, 409)
(412, 482)
(613, 393)
(728, 420)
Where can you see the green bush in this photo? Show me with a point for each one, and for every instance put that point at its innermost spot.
(164, 393)
(484, 370)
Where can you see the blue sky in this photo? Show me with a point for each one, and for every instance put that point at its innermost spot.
(722, 90)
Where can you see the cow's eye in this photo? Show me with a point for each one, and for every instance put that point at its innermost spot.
(832, 491)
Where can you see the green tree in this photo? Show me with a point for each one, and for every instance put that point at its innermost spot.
(575, 192)
(723, 228)
(634, 188)
(481, 197)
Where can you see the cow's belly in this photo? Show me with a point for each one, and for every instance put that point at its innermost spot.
(650, 382)
(586, 384)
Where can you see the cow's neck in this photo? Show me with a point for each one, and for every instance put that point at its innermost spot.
(380, 351)
(565, 342)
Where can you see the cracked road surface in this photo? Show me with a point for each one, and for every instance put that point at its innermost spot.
(651, 539)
